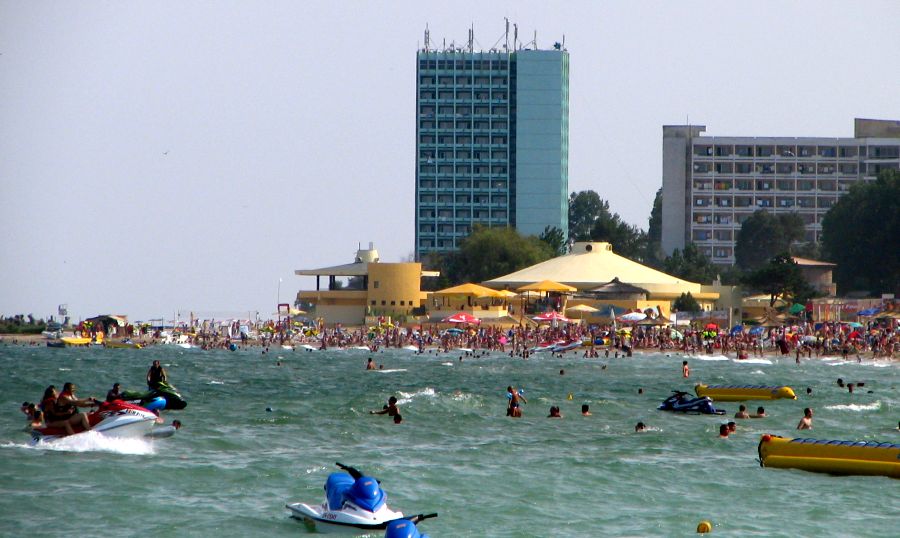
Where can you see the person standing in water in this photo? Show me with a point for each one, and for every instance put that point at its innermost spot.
(685, 369)
(514, 408)
(156, 375)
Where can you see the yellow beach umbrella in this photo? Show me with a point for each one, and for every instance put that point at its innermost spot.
(548, 286)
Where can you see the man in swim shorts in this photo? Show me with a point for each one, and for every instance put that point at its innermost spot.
(742, 412)
(514, 407)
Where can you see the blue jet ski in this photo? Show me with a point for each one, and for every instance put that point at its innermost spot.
(681, 402)
(406, 527)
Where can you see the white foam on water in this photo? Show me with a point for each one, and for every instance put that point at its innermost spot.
(97, 442)
(446, 364)
(753, 361)
(855, 407)
(710, 358)
(361, 348)
(833, 362)
(758, 372)
(411, 348)
(463, 349)
(389, 371)
(309, 347)
(288, 348)
(65, 369)
(214, 382)
(406, 397)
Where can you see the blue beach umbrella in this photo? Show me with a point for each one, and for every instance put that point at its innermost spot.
(737, 329)
(757, 330)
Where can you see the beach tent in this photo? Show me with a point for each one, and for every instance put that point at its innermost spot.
(633, 316)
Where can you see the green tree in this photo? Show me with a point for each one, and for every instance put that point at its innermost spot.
(491, 252)
(626, 240)
(764, 235)
(780, 277)
(555, 239)
(686, 303)
(654, 255)
(691, 265)
(584, 208)
(860, 234)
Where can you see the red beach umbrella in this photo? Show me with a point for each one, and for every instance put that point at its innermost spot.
(462, 317)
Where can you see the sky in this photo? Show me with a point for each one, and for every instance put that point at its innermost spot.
(158, 158)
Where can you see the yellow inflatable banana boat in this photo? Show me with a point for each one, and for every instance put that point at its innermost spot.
(739, 393)
(833, 457)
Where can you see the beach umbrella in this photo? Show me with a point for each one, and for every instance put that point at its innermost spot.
(454, 330)
(550, 316)
(548, 286)
(582, 309)
(468, 290)
(461, 317)
(868, 312)
(796, 308)
(711, 326)
(854, 334)
(737, 329)
(676, 335)
(633, 316)
(808, 339)
(757, 330)
(855, 325)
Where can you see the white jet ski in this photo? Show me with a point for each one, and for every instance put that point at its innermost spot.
(112, 419)
(354, 504)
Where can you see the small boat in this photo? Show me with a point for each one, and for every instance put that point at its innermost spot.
(112, 419)
(832, 457)
(173, 399)
(81, 341)
(354, 504)
(681, 403)
(565, 346)
(546, 346)
(123, 344)
(740, 393)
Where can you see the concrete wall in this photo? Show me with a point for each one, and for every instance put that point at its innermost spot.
(394, 287)
(542, 141)
(676, 161)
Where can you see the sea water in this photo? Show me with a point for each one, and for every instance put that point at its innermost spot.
(258, 435)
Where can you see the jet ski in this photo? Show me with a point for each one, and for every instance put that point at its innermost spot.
(681, 402)
(173, 399)
(112, 419)
(354, 504)
(406, 527)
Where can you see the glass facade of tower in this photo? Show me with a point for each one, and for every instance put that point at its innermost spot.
(468, 110)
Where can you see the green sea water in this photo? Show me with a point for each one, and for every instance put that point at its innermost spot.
(234, 465)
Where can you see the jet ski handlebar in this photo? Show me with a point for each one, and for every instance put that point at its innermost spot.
(354, 472)
(419, 517)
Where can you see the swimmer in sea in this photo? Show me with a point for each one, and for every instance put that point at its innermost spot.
(806, 421)
(370, 364)
(723, 431)
(732, 427)
(390, 409)
(760, 413)
(685, 369)
(554, 412)
(585, 410)
(742, 412)
(639, 427)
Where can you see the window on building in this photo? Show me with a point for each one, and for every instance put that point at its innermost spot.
(383, 303)
(374, 302)
(393, 303)
(375, 284)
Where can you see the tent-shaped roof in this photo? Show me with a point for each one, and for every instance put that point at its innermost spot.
(616, 287)
(469, 290)
(589, 265)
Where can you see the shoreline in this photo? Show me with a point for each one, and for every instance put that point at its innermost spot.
(30, 340)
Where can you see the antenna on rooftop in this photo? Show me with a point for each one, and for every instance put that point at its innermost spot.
(427, 38)
(506, 46)
(515, 36)
(472, 38)
(535, 40)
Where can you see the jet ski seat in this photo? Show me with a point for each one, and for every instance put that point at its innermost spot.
(366, 493)
(336, 486)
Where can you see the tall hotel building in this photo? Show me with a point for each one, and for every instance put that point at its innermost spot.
(492, 142)
(711, 184)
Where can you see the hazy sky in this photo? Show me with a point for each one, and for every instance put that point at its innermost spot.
(173, 156)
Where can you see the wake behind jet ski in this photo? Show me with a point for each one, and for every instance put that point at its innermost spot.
(354, 504)
(681, 402)
(112, 419)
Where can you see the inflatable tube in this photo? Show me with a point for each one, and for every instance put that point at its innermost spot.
(154, 404)
(832, 457)
(740, 393)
